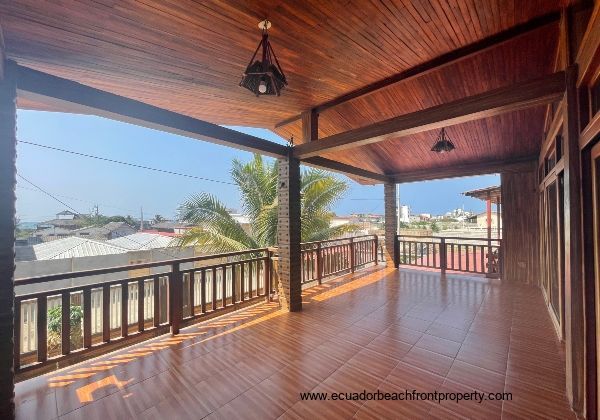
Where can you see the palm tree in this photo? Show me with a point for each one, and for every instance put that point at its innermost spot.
(217, 231)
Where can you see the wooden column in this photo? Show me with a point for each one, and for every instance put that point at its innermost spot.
(391, 224)
(8, 114)
(288, 234)
(574, 311)
(498, 218)
(521, 228)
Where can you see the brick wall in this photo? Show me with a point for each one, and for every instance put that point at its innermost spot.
(391, 222)
(288, 234)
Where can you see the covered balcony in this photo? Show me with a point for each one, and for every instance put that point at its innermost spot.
(500, 88)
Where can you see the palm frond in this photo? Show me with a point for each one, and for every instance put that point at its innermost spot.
(215, 227)
(331, 232)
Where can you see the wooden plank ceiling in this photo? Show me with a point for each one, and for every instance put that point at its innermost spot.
(188, 56)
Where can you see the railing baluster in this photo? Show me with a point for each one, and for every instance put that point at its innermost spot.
(214, 289)
(242, 282)
(192, 290)
(482, 259)
(42, 328)
(66, 322)
(268, 279)
(17, 335)
(224, 286)
(459, 246)
(203, 291)
(87, 317)
(124, 309)
(156, 293)
(106, 314)
(233, 283)
(352, 256)
(141, 301)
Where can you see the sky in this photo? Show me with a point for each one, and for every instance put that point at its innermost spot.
(81, 182)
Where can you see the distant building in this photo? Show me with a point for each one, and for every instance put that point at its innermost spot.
(66, 215)
(169, 226)
(69, 247)
(404, 214)
(481, 220)
(143, 241)
(110, 230)
(424, 216)
(243, 221)
(64, 220)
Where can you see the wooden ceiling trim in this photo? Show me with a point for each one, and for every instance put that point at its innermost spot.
(349, 170)
(439, 62)
(495, 102)
(480, 168)
(40, 87)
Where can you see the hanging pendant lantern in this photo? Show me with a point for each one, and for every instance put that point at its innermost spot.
(442, 144)
(264, 76)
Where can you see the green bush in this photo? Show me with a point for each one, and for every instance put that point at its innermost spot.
(55, 318)
(55, 327)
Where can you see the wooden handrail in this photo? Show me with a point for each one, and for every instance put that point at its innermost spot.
(98, 271)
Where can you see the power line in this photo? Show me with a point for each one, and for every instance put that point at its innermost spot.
(88, 201)
(48, 194)
(126, 163)
(79, 214)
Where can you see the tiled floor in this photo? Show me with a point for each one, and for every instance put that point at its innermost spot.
(380, 329)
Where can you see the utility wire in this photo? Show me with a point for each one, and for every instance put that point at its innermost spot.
(89, 202)
(126, 163)
(79, 214)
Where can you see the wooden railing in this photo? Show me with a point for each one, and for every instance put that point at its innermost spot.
(64, 318)
(59, 324)
(470, 255)
(329, 258)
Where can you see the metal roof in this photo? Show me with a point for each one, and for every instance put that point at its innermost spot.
(142, 241)
(494, 193)
(73, 246)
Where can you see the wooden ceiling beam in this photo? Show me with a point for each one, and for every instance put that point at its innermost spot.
(525, 164)
(439, 62)
(351, 171)
(520, 96)
(45, 88)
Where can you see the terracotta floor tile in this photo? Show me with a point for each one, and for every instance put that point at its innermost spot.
(447, 332)
(427, 360)
(386, 345)
(438, 345)
(379, 329)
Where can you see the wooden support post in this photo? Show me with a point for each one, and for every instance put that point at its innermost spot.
(376, 250)
(288, 234)
(574, 310)
(391, 225)
(8, 153)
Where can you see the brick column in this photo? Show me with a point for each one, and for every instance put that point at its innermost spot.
(7, 237)
(288, 234)
(391, 223)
